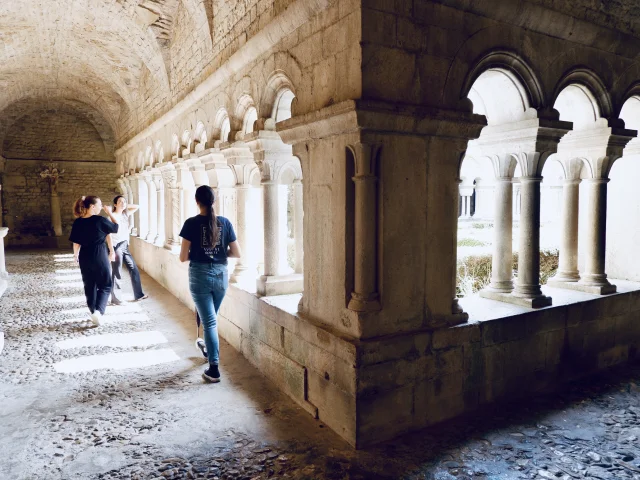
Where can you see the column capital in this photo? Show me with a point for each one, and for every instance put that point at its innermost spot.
(595, 181)
(530, 179)
(365, 156)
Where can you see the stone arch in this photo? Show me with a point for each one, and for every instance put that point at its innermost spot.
(246, 113)
(513, 65)
(148, 157)
(221, 125)
(289, 172)
(140, 162)
(587, 78)
(199, 138)
(175, 145)
(159, 152)
(278, 85)
(499, 95)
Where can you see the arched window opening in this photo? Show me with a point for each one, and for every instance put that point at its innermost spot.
(249, 119)
(489, 193)
(576, 104)
(630, 113)
(500, 97)
(282, 106)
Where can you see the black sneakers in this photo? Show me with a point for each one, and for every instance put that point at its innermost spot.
(200, 345)
(212, 374)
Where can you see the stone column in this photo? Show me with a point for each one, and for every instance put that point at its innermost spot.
(594, 276)
(3, 268)
(568, 262)
(271, 230)
(56, 218)
(502, 258)
(298, 224)
(152, 215)
(365, 295)
(528, 282)
(1, 215)
(172, 206)
(3, 272)
(160, 215)
(246, 267)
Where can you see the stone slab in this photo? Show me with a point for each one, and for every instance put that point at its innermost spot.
(581, 287)
(270, 285)
(538, 302)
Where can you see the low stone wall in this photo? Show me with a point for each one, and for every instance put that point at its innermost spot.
(373, 390)
(417, 380)
(308, 362)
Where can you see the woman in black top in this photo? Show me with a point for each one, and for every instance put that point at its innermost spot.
(207, 241)
(88, 234)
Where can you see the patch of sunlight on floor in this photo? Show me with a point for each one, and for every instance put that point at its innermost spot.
(70, 276)
(111, 310)
(75, 299)
(134, 339)
(63, 260)
(111, 318)
(63, 255)
(70, 284)
(117, 361)
(68, 270)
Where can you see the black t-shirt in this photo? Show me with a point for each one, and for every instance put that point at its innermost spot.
(196, 230)
(90, 233)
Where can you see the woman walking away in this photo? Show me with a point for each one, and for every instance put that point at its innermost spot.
(88, 234)
(120, 214)
(207, 241)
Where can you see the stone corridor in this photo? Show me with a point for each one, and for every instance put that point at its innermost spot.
(125, 400)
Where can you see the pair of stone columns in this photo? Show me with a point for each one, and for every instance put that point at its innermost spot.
(593, 279)
(527, 290)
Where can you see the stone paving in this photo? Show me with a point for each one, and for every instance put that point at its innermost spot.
(126, 401)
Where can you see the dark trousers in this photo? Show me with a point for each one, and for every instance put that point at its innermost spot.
(96, 276)
(123, 255)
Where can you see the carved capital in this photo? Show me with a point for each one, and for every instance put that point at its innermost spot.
(365, 156)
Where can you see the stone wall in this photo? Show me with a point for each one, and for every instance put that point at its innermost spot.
(26, 197)
(54, 136)
(412, 381)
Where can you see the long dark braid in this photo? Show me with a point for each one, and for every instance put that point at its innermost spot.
(206, 197)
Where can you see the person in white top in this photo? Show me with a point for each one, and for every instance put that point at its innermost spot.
(120, 214)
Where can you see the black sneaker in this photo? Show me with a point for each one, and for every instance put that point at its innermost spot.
(212, 374)
(200, 345)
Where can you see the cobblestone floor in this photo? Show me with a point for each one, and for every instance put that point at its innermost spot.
(65, 412)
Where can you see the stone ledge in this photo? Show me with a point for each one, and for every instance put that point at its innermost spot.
(537, 302)
(271, 285)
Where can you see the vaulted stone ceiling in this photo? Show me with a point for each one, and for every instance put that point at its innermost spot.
(87, 54)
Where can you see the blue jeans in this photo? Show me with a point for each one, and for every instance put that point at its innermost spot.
(208, 283)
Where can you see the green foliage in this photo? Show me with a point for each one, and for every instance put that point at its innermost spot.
(470, 242)
(474, 272)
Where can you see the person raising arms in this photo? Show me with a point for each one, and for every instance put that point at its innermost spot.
(120, 214)
(89, 233)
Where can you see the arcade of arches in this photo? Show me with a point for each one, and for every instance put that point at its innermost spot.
(343, 139)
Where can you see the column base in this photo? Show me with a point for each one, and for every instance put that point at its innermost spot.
(534, 302)
(359, 303)
(582, 287)
(269, 285)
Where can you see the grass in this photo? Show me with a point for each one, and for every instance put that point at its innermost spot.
(482, 225)
(470, 242)
(474, 272)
